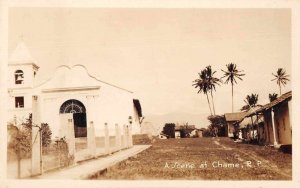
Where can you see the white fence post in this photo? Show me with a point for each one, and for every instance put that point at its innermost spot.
(125, 143)
(70, 138)
(36, 160)
(130, 135)
(106, 139)
(36, 167)
(118, 137)
(91, 139)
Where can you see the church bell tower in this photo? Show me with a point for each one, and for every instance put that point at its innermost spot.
(22, 71)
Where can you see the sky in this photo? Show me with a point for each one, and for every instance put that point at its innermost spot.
(157, 53)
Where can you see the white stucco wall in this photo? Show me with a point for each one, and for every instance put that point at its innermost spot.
(28, 71)
(104, 103)
(18, 90)
(113, 106)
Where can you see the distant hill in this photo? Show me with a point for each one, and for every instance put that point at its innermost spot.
(158, 121)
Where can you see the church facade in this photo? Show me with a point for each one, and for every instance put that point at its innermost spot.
(71, 93)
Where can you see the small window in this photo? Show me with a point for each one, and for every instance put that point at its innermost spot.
(19, 77)
(19, 102)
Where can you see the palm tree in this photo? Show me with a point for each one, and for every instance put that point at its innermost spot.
(231, 74)
(251, 101)
(202, 84)
(281, 78)
(272, 97)
(212, 82)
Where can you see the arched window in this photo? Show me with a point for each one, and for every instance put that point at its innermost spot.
(19, 77)
(72, 106)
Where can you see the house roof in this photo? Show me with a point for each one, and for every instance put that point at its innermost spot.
(247, 121)
(250, 112)
(282, 98)
(236, 116)
(138, 107)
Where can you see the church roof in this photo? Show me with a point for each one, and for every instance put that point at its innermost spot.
(21, 55)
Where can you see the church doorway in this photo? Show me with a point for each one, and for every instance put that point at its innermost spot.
(77, 111)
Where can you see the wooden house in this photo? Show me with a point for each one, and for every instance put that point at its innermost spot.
(231, 119)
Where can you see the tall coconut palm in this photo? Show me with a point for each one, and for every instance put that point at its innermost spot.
(212, 82)
(231, 74)
(202, 84)
(281, 78)
(272, 97)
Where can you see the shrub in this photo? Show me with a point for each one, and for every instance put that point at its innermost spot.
(46, 134)
(21, 137)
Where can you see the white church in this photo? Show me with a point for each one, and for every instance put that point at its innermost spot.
(71, 92)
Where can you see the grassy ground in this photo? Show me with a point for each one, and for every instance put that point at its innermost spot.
(198, 158)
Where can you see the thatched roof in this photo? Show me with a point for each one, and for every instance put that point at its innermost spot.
(138, 107)
(236, 116)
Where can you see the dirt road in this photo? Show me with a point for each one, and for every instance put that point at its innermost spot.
(204, 158)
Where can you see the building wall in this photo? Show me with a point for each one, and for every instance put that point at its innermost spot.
(104, 103)
(269, 135)
(282, 122)
(28, 71)
(21, 114)
(114, 106)
(20, 90)
(230, 129)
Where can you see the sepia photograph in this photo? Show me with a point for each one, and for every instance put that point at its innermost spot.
(108, 93)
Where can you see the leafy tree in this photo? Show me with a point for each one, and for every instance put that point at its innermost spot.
(169, 129)
(231, 74)
(272, 97)
(281, 78)
(217, 123)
